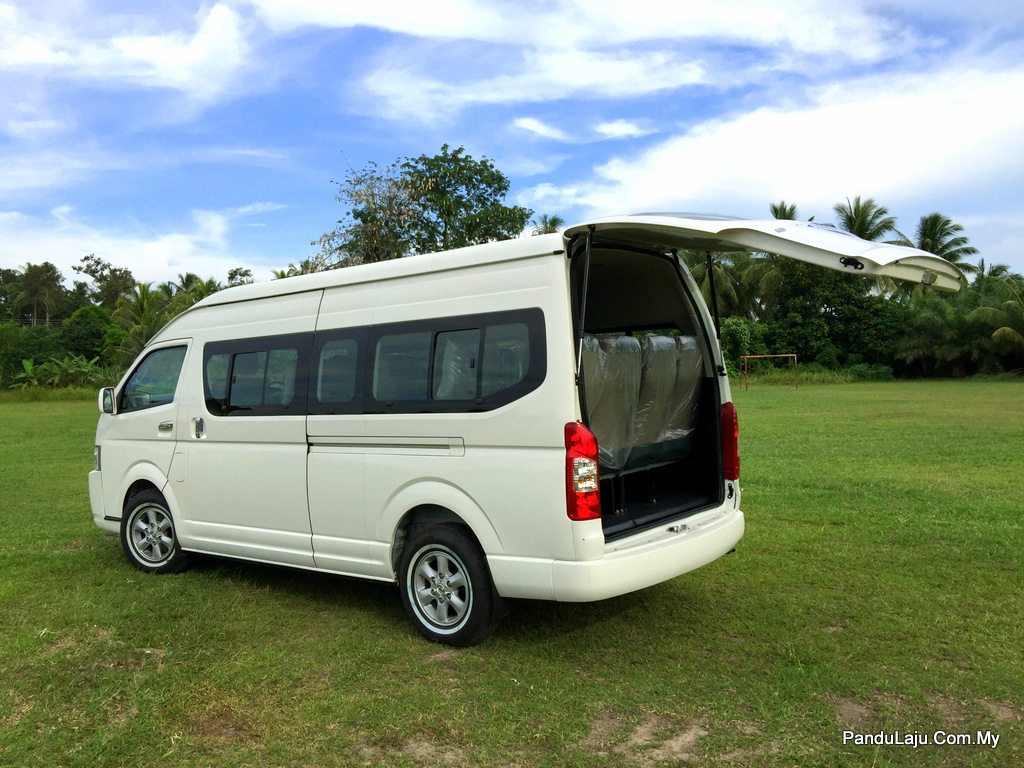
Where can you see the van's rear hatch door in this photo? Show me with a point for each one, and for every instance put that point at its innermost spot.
(819, 244)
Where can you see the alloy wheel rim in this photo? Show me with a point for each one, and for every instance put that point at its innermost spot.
(440, 587)
(152, 534)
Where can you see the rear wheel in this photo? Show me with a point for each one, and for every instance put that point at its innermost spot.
(147, 535)
(446, 587)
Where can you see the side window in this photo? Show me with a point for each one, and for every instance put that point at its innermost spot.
(154, 381)
(506, 357)
(247, 376)
(256, 377)
(336, 372)
(452, 364)
(402, 367)
(456, 364)
(217, 369)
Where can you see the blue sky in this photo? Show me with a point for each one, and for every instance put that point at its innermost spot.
(202, 136)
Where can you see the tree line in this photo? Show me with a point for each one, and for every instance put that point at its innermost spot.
(51, 334)
(876, 328)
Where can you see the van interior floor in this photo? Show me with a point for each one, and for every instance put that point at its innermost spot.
(635, 500)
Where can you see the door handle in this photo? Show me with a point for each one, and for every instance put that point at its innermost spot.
(166, 426)
(198, 427)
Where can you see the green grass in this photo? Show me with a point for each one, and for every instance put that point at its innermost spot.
(879, 587)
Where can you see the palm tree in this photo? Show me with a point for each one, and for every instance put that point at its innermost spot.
(724, 276)
(1007, 318)
(865, 218)
(141, 312)
(783, 210)
(998, 279)
(547, 225)
(939, 235)
(40, 288)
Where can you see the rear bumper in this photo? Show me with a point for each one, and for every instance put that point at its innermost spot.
(626, 566)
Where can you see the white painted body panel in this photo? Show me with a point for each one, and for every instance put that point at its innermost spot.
(330, 492)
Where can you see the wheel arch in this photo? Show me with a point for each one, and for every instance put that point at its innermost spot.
(423, 516)
(144, 476)
(435, 503)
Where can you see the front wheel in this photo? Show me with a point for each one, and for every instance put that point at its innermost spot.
(446, 586)
(147, 535)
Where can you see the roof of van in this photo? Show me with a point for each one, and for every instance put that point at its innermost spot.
(504, 250)
(804, 240)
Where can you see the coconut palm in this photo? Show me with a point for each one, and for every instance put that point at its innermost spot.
(547, 225)
(783, 210)
(865, 218)
(724, 277)
(998, 279)
(141, 312)
(939, 235)
(40, 289)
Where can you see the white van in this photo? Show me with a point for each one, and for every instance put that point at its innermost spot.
(547, 417)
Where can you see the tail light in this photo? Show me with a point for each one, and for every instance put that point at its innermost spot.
(582, 485)
(730, 442)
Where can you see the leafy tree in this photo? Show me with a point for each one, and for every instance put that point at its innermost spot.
(239, 276)
(815, 312)
(85, 332)
(417, 205)
(10, 288)
(318, 263)
(379, 221)
(109, 282)
(19, 343)
(41, 289)
(460, 201)
(865, 218)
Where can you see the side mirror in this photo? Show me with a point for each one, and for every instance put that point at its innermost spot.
(106, 400)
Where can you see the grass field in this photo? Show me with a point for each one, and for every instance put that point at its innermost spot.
(880, 587)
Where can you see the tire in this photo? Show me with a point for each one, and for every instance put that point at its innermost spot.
(147, 535)
(446, 587)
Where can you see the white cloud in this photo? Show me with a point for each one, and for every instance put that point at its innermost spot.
(442, 18)
(810, 26)
(254, 209)
(202, 247)
(533, 125)
(621, 129)
(878, 137)
(398, 89)
(202, 64)
(52, 168)
(943, 141)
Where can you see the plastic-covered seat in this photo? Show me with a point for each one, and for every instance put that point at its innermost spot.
(611, 374)
(680, 415)
(657, 380)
